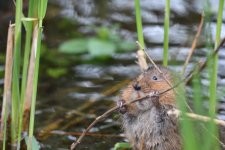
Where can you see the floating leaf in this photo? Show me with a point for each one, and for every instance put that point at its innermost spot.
(99, 47)
(75, 46)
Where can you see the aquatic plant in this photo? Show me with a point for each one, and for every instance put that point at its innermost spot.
(23, 99)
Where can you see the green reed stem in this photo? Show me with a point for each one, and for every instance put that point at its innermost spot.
(28, 30)
(42, 6)
(213, 78)
(139, 22)
(166, 33)
(16, 71)
(33, 102)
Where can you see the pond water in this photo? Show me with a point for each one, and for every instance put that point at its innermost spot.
(75, 88)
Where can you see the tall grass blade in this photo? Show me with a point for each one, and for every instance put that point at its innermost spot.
(36, 54)
(213, 78)
(166, 33)
(16, 71)
(139, 22)
(28, 28)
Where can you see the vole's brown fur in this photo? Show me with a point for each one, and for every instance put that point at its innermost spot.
(146, 123)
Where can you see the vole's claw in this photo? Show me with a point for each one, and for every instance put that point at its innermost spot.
(122, 109)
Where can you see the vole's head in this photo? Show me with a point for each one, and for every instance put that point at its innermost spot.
(153, 80)
(149, 81)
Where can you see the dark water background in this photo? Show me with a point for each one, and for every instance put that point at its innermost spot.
(69, 101)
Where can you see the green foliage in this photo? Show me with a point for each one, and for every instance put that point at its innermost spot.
(35, 143)
(105, 43)
(122, 146)
(97, 47)
(74, 46)
(19, 88)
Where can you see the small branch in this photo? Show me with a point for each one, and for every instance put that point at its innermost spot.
(193, 44)
(57, 132)
(202, 63)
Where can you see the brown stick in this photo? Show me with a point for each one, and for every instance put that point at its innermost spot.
(202, 63)
(193, 45)
(8, 78)
(87, 134)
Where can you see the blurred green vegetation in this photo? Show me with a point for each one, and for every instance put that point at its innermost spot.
(104, 43)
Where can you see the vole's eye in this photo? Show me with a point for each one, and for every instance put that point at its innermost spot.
(154, 78)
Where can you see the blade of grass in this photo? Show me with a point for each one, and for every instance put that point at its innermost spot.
(42, 7)
(213, 76)
(213, 80)
(166, 33)
(28, 29)
(139, 22)
(16, 71)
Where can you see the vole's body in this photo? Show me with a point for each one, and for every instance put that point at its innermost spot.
(146, 123)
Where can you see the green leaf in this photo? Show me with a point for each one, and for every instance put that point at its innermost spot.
(42, 8)
(74, 46)
(122, 146)
(127, 45)
(98, 47)
(35, 144)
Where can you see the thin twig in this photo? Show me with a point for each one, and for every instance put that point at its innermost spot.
(203, 62)
(193, 44)
(87, 134)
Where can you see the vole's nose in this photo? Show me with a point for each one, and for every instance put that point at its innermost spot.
(137, 87)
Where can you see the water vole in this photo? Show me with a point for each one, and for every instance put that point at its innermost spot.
(146, 123)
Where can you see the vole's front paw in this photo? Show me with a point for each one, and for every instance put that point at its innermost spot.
(154, 96)
(122, 109)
